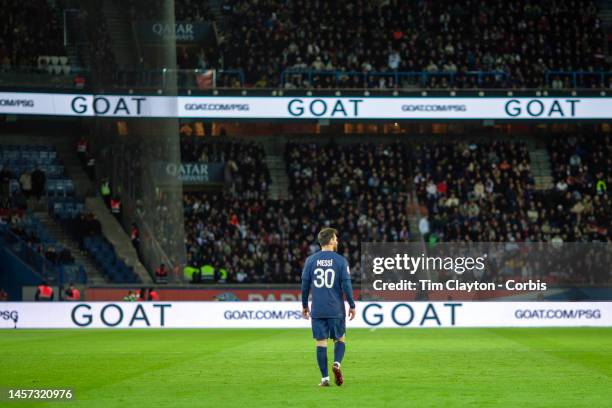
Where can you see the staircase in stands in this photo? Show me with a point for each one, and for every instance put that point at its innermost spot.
(605, 15)
(95, 275)
(279, 185)
(123, 42)
(540, 168)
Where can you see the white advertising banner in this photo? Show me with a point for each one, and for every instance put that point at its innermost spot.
(16, 315)
(342, 108)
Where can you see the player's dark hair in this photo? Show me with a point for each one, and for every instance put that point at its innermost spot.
(326, 235)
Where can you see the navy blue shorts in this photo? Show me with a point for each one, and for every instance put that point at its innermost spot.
(328, 328)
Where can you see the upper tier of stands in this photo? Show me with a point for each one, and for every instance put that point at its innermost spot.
(346, 44)
(521, 39)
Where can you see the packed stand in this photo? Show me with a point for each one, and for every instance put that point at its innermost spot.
(476, 192)
(260, 240)
(523, 40)
(363, 188)
(580, 206)
(247, 179)
(484, 192)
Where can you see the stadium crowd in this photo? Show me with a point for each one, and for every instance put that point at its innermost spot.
(581, 202)
(522, 39)
(473, 192)
(512, 45)
(485, 192)
(477, 192)
(365, 193)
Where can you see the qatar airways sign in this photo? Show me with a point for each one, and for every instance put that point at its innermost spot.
(335, 108)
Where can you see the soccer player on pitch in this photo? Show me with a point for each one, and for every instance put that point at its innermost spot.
(327, 272)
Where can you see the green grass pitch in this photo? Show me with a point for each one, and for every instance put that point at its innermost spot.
(553, 367)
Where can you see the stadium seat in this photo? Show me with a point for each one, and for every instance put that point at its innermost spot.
(14, 186)
(69, 187)
(51, 187)
(58, 208)
(60, 188)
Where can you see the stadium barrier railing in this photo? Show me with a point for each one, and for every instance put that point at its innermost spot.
(202, 80)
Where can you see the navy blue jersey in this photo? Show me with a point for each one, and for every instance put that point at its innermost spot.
(326, 273)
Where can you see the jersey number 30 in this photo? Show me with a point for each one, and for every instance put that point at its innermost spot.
(324, 278)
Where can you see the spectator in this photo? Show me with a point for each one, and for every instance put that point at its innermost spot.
(561, 186)
(79, 81)
(44, 292)
(115, 207)
(105, 192)
(25, 181)
(394, 60)
(161, 274)
(90, 166)
(153, 295)
(39, 180)
(82, 148)
(424, 227)
(78, 229)
(5, 182)
(557, 83)
(130, 297)
(51, 255)
(3, 295)
(135, 237)
(72, 293)
(94, 227)
(142, 295)
(601, 186)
